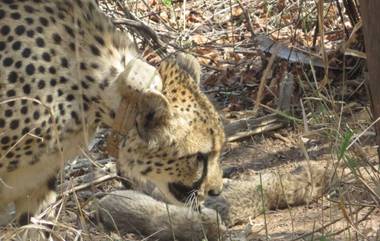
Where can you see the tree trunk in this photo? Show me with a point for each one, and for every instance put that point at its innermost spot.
(370, 10)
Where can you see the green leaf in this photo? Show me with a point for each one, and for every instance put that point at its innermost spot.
(324, 238)
(167, 3)
(346, 142)
(352, 164)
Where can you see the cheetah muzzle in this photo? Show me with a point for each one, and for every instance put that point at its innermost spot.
(64, 69)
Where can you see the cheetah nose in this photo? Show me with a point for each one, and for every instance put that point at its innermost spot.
(214, 192)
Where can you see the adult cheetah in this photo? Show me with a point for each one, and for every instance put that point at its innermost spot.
(64, 69)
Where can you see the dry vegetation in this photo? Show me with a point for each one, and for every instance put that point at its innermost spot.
(289, 78)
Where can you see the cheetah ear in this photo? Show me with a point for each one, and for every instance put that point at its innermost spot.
(153, 115)
(190, 64)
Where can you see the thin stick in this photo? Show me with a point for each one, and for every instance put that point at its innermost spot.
(263, 206)
(263, 81)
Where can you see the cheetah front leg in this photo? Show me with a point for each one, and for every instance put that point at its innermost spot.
(35, 201)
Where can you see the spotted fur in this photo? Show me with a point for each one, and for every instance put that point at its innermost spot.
(61, 74)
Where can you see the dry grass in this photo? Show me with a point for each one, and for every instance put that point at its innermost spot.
(329, 105)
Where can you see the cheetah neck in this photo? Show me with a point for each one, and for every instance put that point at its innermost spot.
(126, 79)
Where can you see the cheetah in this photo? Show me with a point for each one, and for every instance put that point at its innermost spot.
(65, 69)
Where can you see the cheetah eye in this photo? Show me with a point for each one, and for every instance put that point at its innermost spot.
(202, 156)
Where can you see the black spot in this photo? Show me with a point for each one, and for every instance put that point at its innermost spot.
(14, 124)
(29, 141)
(61, 15)
(7, 62)
(2, 45)
(44, 21)
(64, 63)
(18, 64)
(25, 130)
(41, 69)
(61, 108)
(49, 10)
(37, 131)
(46, 57)
(29, 20)
(69, 30)
(36, 115)
(24, 110)
(99, 40)
(8, 1)
(171, 161)
(14, 6)
(83, 66)
(84, 84)
(112, 114)
(8, 113)
(29, 9)
(72, 46)
(39, 29)
(89, 78)
(12, 165)
(70, 97)
(30, 33)
(26, 53)
(74, 115)
(15, 16)
(5, 140)
(62, 80)
(53, 82)
(11, 103)
(49, 98)
(146, 171)
(52, 183)
(2, 13)
(57, 38)
(16, 45)
(11, 93)
(85, 107)
(40, 42)
(23, 219)
(41, 84)
(95, 51)
(52, 70)
(2, 123)
(30, 69)
(20, 30)
(5, 30)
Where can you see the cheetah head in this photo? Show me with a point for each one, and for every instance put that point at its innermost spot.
(177, 136)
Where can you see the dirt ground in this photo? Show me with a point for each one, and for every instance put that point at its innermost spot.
(280, 150)
(234, 62)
